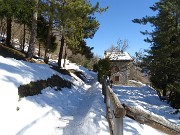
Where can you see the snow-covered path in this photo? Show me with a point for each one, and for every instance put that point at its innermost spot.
(88, 118)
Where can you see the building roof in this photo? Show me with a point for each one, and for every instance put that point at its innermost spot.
(118, 55)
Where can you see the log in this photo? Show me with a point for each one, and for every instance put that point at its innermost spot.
(110, 120)
(144, 117)
(115, 121)
(118, 109)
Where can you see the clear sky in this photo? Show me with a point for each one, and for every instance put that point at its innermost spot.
(116, 23)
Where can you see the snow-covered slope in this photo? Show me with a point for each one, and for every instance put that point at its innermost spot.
(76, 111)
(146, 98)
(52, 112)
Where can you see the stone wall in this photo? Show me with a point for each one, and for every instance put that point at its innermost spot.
(120, 71)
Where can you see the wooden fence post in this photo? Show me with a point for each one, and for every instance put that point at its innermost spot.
(107, 101)
(104, 89)
(118, 126)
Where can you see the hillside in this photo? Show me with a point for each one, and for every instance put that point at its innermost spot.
(52, 111)
(77, 110)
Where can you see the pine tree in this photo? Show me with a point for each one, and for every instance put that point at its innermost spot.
(23, 16)
(48, 12)
(103, 68)
(163, 59)
(83, 49)
(31, 47)
(76, 22)
(7, 10)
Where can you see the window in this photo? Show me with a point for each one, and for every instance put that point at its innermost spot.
(116, 78)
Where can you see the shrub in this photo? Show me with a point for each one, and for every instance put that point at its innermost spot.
(174, 95)
(103, 69)
(34, 88)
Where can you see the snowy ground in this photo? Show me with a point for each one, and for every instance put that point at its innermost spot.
(79, 110)
(76, 111)
(144, 98)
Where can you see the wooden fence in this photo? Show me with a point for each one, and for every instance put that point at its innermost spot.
(114, 110)
(115, 113)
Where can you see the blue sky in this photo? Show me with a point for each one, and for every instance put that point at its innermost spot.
(116, 23)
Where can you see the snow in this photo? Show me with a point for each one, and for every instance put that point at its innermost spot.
(52, 112)
(118, 55)
(76, 111)
(146, 98)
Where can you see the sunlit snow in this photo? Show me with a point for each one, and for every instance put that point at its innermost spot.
(76, 111)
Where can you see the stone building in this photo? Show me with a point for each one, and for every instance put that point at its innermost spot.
(121, 63)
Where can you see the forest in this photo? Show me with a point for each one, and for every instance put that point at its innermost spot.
(60, 26)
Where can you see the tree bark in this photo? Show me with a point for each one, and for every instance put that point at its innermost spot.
(48, 37)
(164, 92)
(61, 51)
(1, 27)
(8, 34)
(39, 51)
(3, 31)
(33, 33)
(65, 57)
(24, 37)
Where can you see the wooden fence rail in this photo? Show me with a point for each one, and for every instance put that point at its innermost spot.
(114, 110)
(115, 113)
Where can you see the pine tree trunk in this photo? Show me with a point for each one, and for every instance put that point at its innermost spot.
(1, 27)
(9, 25)
(33, 33)
(3, 30)
(65, 57)
(48, 38)
(39, 51)
(61, 51)
(45, 52)
(164, 92)
(24, 37)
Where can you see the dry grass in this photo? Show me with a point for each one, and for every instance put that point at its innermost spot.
(6, 51)
(35, 88)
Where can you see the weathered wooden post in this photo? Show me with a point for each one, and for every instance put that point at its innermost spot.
(104, 88)
(108, 102)
(116, 124)
(118, 111)
(106, 93)
(118, 121)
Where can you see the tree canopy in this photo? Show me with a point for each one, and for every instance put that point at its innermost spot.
(163, 59)
(72, 21)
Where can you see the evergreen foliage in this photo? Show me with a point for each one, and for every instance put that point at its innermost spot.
(7, 11)
(20, 10)
(42, 34)
(83, 49)
(75, 22)
(163, 59)
(42, 28)
(103, 69)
